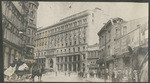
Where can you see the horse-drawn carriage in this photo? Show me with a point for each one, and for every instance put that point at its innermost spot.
(19, 71)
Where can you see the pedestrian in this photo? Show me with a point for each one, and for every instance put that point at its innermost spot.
(113, 77)
(69, 74)
(56, 73)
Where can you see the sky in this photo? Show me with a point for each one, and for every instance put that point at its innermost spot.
(49, 13)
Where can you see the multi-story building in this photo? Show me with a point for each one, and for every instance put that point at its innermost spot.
(106, 44)
(31, 27)
(63, 46)
(114, 39)
(14, 25)
(92, 58)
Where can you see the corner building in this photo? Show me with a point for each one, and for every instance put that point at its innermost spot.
(115, 37)
(15, 21)
(63, 46)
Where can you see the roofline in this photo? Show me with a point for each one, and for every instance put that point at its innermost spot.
(109, 21)
(60, 22)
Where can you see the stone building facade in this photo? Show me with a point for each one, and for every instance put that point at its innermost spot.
(65, 43)
(14, 25)
(93, 55)
(122, 34)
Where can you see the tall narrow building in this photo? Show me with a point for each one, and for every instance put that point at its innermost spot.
(15, 22)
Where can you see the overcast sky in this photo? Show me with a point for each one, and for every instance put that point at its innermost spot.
(50, 13)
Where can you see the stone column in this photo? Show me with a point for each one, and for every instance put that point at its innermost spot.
(72, 58)
(68, 58)
(57, 67)
(12, 56)
(9, 57)
(77, 58)
(63, 67)
(47, 63)
(72, 67)
(6, 57)
(76, 67)
(67, 67)
(64, 59)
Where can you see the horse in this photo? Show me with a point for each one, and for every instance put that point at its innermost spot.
(37, 72)
(23, 70)
(140, 64)
(16, 70)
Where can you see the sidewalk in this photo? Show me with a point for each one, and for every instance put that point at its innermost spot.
(97, 80)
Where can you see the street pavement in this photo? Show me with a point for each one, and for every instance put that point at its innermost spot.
(51, 77)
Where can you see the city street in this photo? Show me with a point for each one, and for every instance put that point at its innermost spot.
(51, 77)
(74, 41)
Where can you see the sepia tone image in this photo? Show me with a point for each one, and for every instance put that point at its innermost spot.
(75, 41)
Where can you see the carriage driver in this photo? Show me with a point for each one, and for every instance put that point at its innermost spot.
(19, 63)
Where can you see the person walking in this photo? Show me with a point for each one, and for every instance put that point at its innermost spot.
(113, 77)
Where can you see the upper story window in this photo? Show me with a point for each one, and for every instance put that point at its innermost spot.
(29, 31)
(66, 26)
(83, 47)
(31, 21)
(73, 49)
(109, 35)
(100, 41)
(75, 23)
(62, 27)
(78, 48)
(92, 14)
(124, 30)
(70, 25)
(79, 22)
(85, 20)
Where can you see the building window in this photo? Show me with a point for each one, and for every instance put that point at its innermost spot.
(70, 43)
(84, 40)
(66, 26)
(70, 25)
(69, 50)
(65, 50)
(78, 48)
(124, 30)
(29, 31)
(80, 22)
(83, 47)
(74, 42)
(109, 36)
(92, 14)
(84, 20)
(31, 21)
(83, 56)
(100, 41)
(73, 49)
(75, 23)
(28, 39)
